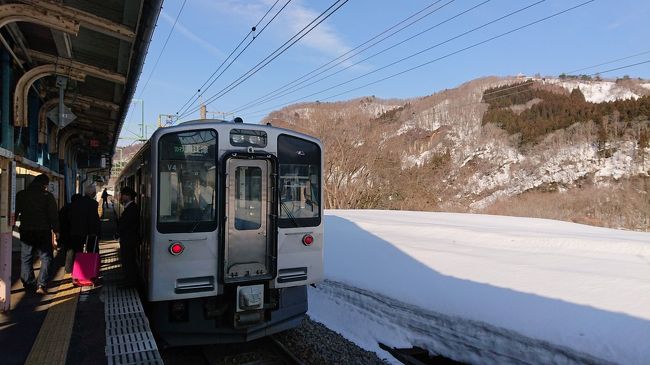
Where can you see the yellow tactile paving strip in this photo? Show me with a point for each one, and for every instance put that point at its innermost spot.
(51, 344)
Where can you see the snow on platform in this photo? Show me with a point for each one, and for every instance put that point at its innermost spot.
(486, 289)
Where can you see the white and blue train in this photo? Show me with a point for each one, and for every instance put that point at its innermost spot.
(231, 226)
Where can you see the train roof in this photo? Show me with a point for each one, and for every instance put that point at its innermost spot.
(217, 123)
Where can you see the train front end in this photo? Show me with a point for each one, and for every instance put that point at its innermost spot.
(237, 231)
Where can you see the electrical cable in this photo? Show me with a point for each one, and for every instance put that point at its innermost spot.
(162, 50)
(483, 100)
(289, 85)
(431, 61)
(608, 62)
(382, 51)
(585, 68)
(255, 69)
(272, 57)
(253, 29)
(378, 53)
(425, 50)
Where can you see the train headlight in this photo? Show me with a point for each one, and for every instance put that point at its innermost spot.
(176, 248)
(307, 240)
(255, 140)
(247, 138)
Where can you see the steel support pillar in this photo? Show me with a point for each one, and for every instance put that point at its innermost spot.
(7, 191)
(32, 115)
(5, 118)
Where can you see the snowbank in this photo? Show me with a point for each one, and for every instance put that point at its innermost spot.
(487, 289)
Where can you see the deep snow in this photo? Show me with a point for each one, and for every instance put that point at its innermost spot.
(486, 289)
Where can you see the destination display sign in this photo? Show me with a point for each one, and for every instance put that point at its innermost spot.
(195, 145)
(193, 149)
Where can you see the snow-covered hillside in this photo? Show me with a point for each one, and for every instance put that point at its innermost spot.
(596, 91)
(486, 289)
(477, 164)
(564, 166)
(501, 170)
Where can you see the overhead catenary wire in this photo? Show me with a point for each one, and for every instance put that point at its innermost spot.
(424, 50)
(608, 62)
(280, 49)
(283, 48)
(621, 67)
(376, 54)
(580, 69)
(431, 61)
(297, 80)
(201, 89)
(487, 100)
(516, 92)
(163, 49)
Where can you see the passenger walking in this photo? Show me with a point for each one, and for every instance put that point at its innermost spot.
(128, 229)
(105, 198)
(84, 222)
(37, 212)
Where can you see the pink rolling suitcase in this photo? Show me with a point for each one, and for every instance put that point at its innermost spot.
(86, 265)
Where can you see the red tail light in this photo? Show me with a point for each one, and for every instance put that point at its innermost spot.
(307, 240)
(176, 248)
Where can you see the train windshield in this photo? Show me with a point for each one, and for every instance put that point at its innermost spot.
(299, 184)
(187, 176)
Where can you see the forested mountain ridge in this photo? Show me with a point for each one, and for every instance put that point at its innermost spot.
(497, 145)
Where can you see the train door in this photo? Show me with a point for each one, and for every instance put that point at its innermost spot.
(248, 239)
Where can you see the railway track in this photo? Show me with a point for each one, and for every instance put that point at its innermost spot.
(266, 351)
(417, 356)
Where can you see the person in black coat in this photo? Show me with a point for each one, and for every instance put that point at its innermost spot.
(84, 221)
(37, 212)
(128, 229)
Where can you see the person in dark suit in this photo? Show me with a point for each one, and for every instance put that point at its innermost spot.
(128, 229)
(84, 226)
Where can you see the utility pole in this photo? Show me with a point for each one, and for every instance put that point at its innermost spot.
(142, 136)
(203, 113)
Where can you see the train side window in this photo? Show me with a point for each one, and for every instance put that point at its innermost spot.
(299, 185)
(187, 172)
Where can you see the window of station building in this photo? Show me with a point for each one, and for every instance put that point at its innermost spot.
(187, 194)
(299, 183)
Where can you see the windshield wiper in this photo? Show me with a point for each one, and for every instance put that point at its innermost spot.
(199, 221)
(195, 226)
(286, 209)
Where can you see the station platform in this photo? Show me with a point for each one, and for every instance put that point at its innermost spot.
(104, 324)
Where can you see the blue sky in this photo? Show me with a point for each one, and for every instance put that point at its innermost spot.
(208, 30)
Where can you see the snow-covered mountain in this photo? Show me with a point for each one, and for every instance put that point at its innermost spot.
(442, 141)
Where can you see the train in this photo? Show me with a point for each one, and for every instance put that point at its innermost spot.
(231, 229)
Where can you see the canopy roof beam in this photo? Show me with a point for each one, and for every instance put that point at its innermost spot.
(28, 79)
(11, 13)
(87, 20)
(94, 71)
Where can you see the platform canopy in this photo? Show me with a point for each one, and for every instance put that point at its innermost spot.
(89, 51)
